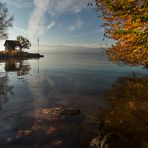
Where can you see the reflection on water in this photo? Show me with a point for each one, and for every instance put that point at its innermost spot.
(126, 117)
(112, 101)
(10, 65)
(5, 89)
(15, 65)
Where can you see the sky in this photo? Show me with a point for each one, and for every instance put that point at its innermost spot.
(56, 22)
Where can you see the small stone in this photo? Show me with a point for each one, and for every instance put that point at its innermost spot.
(9, 139)
(57, 142)
(27, 132)
(50, 130)
(95, 142)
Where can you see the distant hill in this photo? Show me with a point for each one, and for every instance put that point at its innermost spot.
(70, 50)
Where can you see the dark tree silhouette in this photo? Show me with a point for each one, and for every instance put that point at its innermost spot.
(5, 21)
(24, 43)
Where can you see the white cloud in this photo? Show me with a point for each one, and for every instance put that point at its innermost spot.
(57, 7)
(50, 25)
(35, 23)
(76, 25)
(79, 23)
(71, 28)
(19, 3)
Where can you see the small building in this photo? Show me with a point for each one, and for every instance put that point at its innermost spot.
(11, 45)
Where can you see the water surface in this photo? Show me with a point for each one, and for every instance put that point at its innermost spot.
(101, 90)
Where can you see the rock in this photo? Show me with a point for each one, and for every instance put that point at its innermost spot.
(69, 111)
(100, 142)
(57, 113)
(95, 142)
(111, 140)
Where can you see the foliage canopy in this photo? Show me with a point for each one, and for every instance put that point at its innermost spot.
(127, 23)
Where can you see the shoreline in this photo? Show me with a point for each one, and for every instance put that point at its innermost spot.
(5, 55)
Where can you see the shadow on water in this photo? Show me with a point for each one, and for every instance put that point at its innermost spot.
(124, 123)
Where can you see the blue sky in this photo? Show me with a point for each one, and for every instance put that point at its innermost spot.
(64, 22)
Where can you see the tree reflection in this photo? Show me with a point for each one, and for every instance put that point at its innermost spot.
(127, 114)
(5, 89)
(20, 66)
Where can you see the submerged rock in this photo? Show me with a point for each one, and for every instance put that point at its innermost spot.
(69, 111)
(57, 113)
(111, 140)
(100, 142)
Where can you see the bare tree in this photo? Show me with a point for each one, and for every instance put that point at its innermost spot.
(5, 21)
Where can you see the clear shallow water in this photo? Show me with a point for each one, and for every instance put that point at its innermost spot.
(85, 80)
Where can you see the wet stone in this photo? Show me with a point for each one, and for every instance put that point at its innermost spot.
(57, 113)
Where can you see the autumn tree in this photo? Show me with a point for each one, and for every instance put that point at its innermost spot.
(24, 43)
(126, 21)
(5, 21)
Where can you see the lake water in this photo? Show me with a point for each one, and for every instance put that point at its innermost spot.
(113, 93)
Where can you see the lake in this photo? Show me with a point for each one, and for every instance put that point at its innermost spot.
(112, 99)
